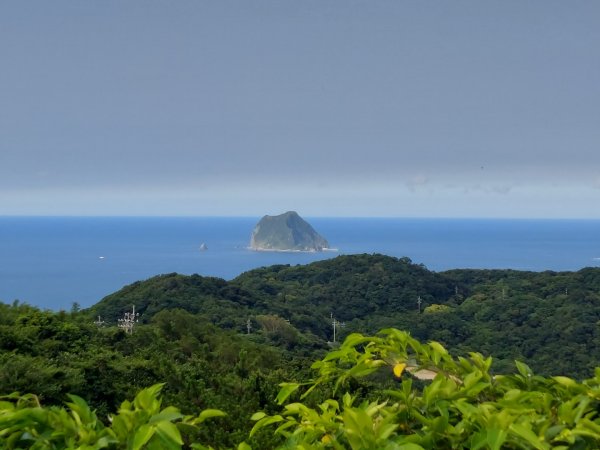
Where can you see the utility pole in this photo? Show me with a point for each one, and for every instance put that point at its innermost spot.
(248, 325)
(419, 301)
(336, 324)
(99, 322)
(128, 320)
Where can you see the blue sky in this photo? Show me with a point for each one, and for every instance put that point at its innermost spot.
(331, 108)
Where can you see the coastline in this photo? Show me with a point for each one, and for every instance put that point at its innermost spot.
(291, 250)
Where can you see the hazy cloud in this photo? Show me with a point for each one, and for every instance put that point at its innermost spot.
(210, 98)
(416, 182)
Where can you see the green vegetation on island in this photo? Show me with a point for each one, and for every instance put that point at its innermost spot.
(286, 232)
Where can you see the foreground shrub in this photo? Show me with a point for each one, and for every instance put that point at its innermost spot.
(463, 406)
(24, 423)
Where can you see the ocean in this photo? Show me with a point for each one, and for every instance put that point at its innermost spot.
(52, 262)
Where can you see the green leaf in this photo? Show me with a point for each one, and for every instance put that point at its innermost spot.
(264, 422)
(286, 390)
(354, 339)
(285, 426)
(478, 440)
(168, 414)
(565, 381)
(6, 406)
(257, 416)
(364, 368)
(209, 413)
(296, 408)
(348, 400)
(147, 399)
(495, 438)
(438, 348)
(142, 436)
(78, 404)
(386, 430)
(529, 436)
(337, 354)
(169, 435)
(523, 369)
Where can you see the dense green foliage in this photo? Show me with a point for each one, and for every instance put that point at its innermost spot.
(464, 406)
(52, 354)
(193, 335)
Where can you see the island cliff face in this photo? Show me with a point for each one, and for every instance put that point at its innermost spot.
(286, 232)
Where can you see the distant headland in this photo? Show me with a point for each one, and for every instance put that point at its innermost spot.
(286, 232)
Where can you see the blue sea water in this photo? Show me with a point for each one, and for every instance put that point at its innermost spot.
(52, 262)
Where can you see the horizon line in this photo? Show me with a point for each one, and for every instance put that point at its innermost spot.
(215, 216)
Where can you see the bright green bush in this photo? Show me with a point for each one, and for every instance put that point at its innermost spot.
(463, 407)
(25, 424)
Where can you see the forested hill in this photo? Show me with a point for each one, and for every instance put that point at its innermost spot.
(348, 287)
(548, 319)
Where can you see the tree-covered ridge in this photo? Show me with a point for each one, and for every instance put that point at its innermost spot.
(548, 319)
(347, 286)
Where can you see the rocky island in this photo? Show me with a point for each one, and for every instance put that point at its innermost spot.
(286, 232)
